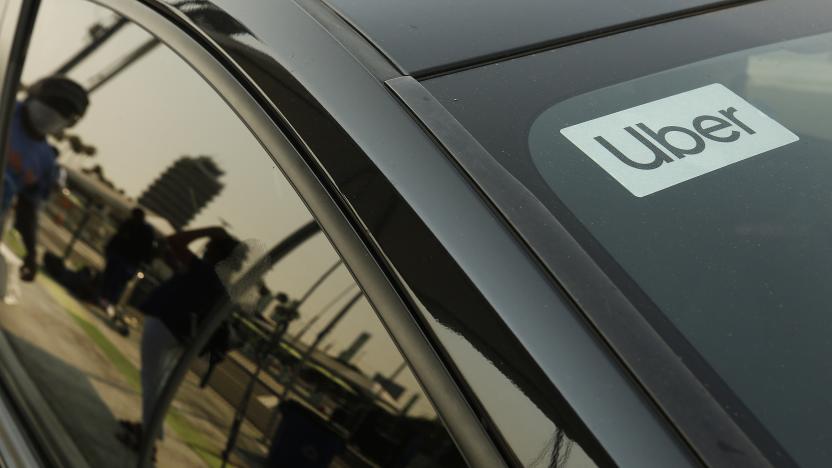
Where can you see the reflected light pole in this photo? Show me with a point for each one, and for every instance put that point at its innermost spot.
(105, 76)
(324, 310)
(104, 34)
(294, 373)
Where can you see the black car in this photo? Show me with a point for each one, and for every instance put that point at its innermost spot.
(482, 233)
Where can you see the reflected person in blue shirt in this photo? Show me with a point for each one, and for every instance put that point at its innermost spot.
(52, 105)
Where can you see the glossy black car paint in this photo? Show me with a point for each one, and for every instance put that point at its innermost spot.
(379, 162)
(404, 196)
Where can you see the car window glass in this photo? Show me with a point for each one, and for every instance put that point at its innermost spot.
(720, 237)
(161, 213)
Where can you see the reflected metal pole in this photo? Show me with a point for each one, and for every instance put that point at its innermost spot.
(76, 233)
(409, 405)
(262, 356)
(398, 371)
(312, 289)
(391, 378)
(87, 50)
(242, 408)
(102, 78)
(293, 376)
(319, 282)
(324, 310)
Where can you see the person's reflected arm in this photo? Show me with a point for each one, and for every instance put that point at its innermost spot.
(178, 243)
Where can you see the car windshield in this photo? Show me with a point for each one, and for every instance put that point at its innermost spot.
(705, 186)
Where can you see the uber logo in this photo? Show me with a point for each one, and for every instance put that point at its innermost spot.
(656, 145)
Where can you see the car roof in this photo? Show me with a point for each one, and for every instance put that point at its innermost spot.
(428, 36)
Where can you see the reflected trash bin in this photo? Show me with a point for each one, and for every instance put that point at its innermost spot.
(303, 439)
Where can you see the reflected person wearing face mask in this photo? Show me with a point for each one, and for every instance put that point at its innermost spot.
(52, 105)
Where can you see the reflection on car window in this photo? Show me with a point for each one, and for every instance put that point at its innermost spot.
(139, 213)
(531, 434)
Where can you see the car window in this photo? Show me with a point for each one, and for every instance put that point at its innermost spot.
(701, 189)
(142, 214)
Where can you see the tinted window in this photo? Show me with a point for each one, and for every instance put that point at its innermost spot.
(160, 222)
(729, 255)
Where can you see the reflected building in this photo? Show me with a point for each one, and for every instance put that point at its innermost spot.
(184, 189)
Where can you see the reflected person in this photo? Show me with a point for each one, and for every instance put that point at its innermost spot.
(52, 105)
(264, 298)
(176, 308)
(285, 310)
(130, 246)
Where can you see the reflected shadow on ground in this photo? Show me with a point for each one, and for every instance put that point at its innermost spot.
(74, 397)
(88, 374)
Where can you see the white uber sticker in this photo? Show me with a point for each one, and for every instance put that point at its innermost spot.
(657, 145)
